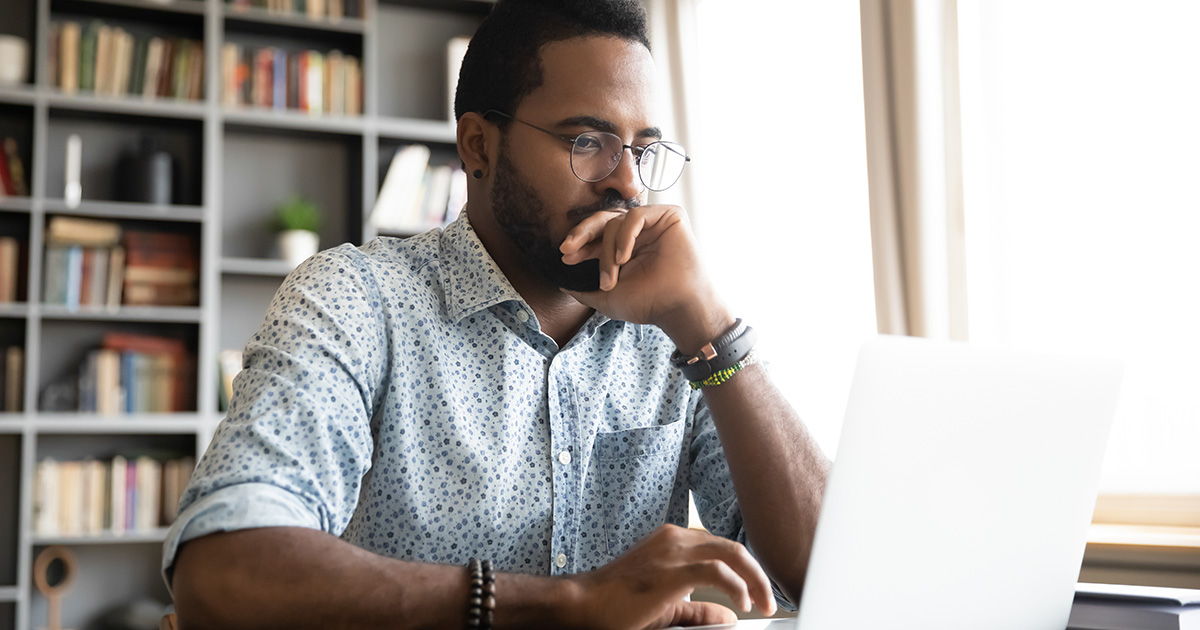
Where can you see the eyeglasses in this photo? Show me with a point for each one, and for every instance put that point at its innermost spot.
(596, 154)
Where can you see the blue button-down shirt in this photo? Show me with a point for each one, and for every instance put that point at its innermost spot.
(402, 396)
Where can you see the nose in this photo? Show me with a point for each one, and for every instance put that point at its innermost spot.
(624, 178)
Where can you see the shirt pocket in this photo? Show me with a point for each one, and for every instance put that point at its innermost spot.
(635, 471)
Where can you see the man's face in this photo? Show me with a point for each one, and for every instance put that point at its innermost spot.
(589, 84)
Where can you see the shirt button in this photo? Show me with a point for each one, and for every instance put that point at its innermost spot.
(523, 316)
(564, 458)
(561, 560)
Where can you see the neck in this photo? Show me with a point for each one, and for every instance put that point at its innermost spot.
(559, 314)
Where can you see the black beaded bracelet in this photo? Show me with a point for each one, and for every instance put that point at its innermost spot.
(481, 600)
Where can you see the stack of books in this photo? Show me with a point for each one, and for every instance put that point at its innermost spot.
(307, 80)
(333, 10)
(161, 269)
(417, 196)
(13, 180)
(121, 495)
(136, 374)
(91, 262)
(84, 263)
(12, 378)
(108, 60)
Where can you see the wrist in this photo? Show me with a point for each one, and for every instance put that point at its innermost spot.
(693, 327)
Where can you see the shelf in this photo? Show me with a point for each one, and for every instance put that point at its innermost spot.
(255, 267)
(128, 210)
(9, 593)
(130, 105)
(103, 538)
(292, 119)
(23, 95)
(180, 314)
(16, 204)
(14, 309)
(415, 129)
(292, 19)
(12, 422)
(77, 422)
(173, 11)
(472, 7)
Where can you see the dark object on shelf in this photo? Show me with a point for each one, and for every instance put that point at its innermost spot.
(61, 395)
(145, 175)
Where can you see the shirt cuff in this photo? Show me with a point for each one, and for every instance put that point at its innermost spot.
(243, 506)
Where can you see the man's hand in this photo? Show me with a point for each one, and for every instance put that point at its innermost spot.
(645, 587)
(650, 273)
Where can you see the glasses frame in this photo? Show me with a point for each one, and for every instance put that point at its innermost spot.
(636, 152)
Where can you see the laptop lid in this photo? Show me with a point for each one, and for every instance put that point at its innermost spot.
(962, 489)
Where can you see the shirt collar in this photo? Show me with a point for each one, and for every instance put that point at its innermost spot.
(471, 279)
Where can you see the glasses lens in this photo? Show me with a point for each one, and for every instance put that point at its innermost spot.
(595, 155)
(661, 165)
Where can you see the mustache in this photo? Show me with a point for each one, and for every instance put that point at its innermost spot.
(611, 201)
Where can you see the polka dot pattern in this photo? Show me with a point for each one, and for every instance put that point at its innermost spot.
(402, 396)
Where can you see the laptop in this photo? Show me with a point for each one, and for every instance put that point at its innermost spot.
(962, 490)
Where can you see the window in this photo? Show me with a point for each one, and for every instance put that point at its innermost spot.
(780, 181)
(1080, 136)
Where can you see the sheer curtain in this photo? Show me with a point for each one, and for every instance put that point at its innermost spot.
(1081, 126)
(772, 105)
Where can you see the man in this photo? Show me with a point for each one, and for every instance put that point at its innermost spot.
(503, 389)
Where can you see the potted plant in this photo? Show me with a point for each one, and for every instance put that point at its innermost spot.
(297, 222)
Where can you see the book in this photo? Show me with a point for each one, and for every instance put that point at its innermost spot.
(456, 49)
(16, 167)
(68, 57)
(10, 251)
(14, 379)
(7, 186)
(229, 365)
(88, 232)
(399, 194)
(1129, 607)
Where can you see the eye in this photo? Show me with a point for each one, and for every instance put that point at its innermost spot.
(588, 143)
(648, 152)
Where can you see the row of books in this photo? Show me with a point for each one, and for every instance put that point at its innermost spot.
(108, 60)
(306, 80)
(131, 373)
(92, 262)
(314, 9)
(11, 269)
(118, 496)
(417, 196)
(12, 378)
(14, 182)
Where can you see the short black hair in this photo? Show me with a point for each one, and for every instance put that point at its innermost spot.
(502, 64)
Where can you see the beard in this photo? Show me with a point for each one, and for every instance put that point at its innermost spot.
(524, 218)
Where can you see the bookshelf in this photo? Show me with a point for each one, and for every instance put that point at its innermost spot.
(231, 164)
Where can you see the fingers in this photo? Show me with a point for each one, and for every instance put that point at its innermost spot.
(739, 560)
(701, 614)
(719, 575)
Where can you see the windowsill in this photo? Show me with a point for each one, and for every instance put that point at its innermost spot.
(1144, 535)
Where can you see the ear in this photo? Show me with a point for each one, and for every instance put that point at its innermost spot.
(477, 142)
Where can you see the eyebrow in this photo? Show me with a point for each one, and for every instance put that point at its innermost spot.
(599, 124)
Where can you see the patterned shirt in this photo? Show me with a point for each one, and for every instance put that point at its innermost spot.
(402, 396)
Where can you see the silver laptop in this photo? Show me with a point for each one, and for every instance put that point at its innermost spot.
(962, 490)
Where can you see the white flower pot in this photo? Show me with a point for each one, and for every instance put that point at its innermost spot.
(297, 245)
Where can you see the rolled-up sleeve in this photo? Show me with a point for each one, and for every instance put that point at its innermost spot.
(297, 439)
